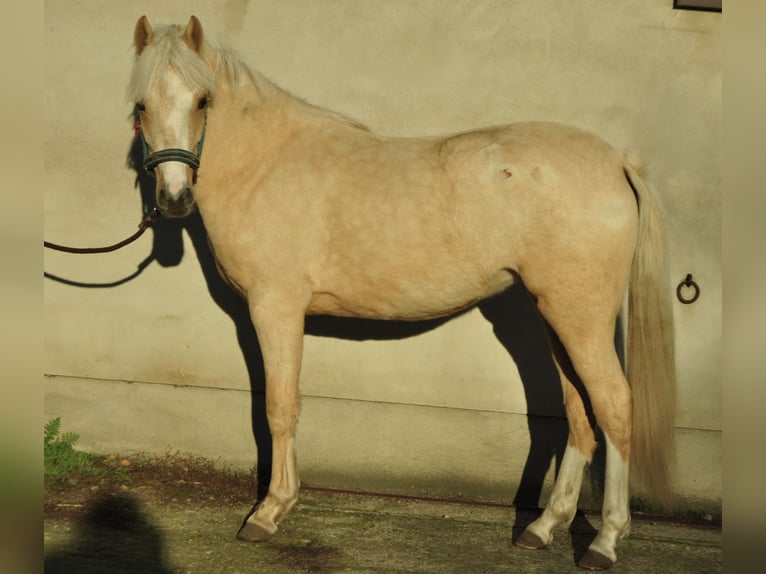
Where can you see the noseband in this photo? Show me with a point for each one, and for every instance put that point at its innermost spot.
(152, 160)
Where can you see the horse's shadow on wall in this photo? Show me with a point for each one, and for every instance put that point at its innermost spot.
(515, 322)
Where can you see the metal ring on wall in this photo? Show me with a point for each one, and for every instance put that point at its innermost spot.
(688, 283)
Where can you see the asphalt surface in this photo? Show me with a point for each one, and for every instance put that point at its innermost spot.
(329, 532)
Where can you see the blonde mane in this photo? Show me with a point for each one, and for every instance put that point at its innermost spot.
(168, 50)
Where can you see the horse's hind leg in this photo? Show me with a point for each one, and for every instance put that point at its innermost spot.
(586, 331)
(562, 505)
(280, 335)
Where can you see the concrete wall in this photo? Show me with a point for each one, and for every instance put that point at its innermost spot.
(166, 358)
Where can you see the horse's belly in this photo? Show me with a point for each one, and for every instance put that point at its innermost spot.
(406, 297)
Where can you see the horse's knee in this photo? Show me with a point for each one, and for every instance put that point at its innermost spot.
(282, 408)
(282, 421)
(285, 496)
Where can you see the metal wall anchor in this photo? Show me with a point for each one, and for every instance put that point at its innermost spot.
(688, 283)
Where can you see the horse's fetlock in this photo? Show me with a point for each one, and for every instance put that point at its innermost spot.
(618, 520)
(563, 510)
(284, 498)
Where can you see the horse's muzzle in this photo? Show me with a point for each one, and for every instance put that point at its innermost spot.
(179, 206)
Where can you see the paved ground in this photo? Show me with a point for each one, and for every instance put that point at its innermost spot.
(128, 531)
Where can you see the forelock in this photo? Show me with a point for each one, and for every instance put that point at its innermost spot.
(168, 50)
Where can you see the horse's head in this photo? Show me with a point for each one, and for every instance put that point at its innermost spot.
(171, 86)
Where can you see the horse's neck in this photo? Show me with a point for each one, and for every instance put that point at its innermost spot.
(254, 119)
(246, 127)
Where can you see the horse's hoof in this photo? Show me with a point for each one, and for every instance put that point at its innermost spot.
(593, 560)
(252, 532)
(530, 541)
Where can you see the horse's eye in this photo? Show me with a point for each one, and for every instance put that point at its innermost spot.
(202, 103)
(140, 107)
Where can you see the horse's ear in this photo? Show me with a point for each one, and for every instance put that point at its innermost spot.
(143, 35)
(193, 35)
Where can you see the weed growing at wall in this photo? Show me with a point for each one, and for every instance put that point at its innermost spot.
(61, 459)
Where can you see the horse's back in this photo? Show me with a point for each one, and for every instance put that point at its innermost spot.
(535, 164)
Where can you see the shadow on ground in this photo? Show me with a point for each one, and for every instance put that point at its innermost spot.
(113, 535)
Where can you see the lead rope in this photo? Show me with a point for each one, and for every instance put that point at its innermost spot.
(146, 222)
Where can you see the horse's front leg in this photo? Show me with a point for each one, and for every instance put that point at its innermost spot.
(279, 325)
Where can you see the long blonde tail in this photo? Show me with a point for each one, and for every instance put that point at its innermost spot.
(651, 368)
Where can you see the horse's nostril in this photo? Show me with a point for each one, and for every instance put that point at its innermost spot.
(187, 197)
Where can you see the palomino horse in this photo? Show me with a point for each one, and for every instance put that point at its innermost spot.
(308, 212)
